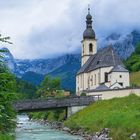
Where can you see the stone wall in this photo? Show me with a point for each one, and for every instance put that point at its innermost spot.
(74, 109)
(109, 94)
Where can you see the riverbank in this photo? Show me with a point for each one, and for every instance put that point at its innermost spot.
(120, 115)
(31, 130)
(118, 118)
(61, 127)
(104, 133)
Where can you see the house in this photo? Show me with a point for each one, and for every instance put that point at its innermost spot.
(102, 69)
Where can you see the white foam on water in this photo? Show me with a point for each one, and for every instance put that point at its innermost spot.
(28, 130)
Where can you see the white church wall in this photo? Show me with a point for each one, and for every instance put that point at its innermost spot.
(120, 77)
(85, 81)
(85, 49)
(103, 71)
(77, 83)
(91, 80)
(81, 83)
(96, 78)
(109, 94)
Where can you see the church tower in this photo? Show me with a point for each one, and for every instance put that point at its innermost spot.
(89, 47)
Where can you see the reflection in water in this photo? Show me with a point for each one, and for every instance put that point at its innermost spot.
(27, 130)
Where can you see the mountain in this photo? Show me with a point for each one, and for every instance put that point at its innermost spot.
(8, 59)
(41, 66)
(124, 44)
(67, 65)
(136, 37)
(32, 77)
(67, 73)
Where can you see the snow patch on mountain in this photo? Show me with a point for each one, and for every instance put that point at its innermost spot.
(124, 45)
(8, 59)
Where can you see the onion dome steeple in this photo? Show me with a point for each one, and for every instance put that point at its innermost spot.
(89, 32)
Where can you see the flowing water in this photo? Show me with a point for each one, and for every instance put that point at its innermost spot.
(28, 130)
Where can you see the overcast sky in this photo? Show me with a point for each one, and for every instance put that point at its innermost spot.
(48, 28)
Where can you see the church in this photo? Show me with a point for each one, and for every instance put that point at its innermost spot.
(102, 69)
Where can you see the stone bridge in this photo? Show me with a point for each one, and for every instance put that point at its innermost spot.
(72, 104)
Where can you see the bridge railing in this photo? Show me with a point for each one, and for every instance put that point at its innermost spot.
(95, 97)
(41, 104)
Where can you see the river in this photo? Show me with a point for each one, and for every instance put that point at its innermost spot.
(28, 130)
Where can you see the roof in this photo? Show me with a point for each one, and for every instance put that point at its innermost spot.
(115, 84)
(105, 57)
(119, 68)
(102, 87)
(88, 16)
(89, 34)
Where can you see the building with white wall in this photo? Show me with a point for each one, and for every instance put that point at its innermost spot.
(102, 69)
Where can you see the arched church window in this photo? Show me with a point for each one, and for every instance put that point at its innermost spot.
(106, 77)
(78, 88)
(81, 82)
(98, 78)
(77, 79)
(83, 49)
(95, 79)
(90, 47)
(88, 82)
(91, 80)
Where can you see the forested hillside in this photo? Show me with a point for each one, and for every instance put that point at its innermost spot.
(133, 62)
(133, 65)
(11, 89)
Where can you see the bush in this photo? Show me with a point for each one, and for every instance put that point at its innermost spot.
(133, 62)
(7, 82)
(137, 50)
(83, 94)
(7, 113)
(52, 115)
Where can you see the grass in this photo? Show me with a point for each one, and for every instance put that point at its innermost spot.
(135, 78)
(6, 137)
(52, 115)
(120, 115)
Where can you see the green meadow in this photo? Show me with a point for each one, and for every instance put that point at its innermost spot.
(120, 115)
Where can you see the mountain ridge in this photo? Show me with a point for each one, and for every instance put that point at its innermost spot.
(123, 44)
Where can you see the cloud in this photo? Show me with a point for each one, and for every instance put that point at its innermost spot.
(117, 15)
(48, 28)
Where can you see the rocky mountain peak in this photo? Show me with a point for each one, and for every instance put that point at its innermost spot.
(124, 45)
(136, 37)
(8, 59)
(113, 36)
